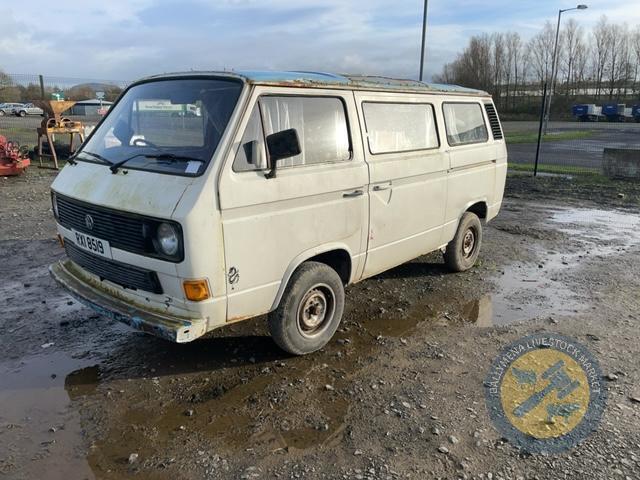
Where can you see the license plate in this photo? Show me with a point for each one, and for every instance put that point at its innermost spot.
(91, 244)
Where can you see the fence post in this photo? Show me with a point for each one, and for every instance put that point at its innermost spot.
(544, 101)
(41, 78)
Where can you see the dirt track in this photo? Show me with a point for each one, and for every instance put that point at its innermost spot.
(403, 378)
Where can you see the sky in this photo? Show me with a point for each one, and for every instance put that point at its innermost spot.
(127, 39)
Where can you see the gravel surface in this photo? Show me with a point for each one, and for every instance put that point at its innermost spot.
(397, 394)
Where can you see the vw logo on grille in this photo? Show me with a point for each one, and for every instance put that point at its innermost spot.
(88, 221)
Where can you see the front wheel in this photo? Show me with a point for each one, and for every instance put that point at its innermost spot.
(462, 252)
(22, 113)
(310, 309)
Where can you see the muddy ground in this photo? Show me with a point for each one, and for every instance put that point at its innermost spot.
(83, 397)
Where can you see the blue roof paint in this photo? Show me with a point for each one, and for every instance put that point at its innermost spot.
(319, 79)
(257, 76)
(360, 81)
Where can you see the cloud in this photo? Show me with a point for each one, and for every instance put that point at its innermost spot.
(126, 39)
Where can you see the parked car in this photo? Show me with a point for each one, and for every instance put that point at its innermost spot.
(27, 109)
(295, 186)
(7, 108)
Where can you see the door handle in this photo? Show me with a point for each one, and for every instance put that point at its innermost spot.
(380, 188)
(355, 193)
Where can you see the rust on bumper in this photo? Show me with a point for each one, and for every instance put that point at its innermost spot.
(176, 329)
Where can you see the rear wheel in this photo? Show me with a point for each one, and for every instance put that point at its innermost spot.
(462, 252)
(22, 113)
(310, 309)
(2, 114)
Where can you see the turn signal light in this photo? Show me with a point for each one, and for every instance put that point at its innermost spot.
(196, 290)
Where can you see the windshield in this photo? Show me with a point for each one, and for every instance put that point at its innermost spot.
(169, 126)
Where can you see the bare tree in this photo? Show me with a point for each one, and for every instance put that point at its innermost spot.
(473, 67)
(571, 43)
(514, 63)
(541, 53)
(498, 63)
(618, 65)
(9, 92)
(635, 47)
(605, 62)
(600, 52)
(581, 67)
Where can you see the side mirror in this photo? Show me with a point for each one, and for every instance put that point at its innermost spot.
(283, 144)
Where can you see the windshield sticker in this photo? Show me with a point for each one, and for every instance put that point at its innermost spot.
(192, 167)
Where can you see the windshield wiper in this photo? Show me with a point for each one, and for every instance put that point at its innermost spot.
(157, 156)
(94, 155)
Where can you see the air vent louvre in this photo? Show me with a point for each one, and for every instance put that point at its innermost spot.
(493, 121)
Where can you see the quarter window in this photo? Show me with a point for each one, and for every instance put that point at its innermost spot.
(251, 154)
(400, 127)
(464, 123)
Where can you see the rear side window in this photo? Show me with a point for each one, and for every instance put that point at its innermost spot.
(464, 123)
(400, 127)
(321, 123)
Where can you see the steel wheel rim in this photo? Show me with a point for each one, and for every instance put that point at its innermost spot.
(468, 242)
(316, 310)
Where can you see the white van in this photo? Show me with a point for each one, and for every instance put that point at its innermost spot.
(286, 188)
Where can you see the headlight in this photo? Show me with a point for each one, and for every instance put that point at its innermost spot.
(168, 239)
(54, 204)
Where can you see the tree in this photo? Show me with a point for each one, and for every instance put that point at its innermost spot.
(541, 53)
(635, 47)
(600, 52)
(606, 61)
(618, 65)
(8, 91)
(514, 63)
(473, 67)
(571, 44)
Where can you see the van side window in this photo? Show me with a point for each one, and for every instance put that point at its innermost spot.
(464, 123)
(400, 127)
(321, 124)
(251, 154)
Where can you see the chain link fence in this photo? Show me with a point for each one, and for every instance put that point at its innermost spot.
(20, 115)
(599, 139)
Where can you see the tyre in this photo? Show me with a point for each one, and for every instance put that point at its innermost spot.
(462, 252)
(22, 113)
(2, 114)
(310, 309)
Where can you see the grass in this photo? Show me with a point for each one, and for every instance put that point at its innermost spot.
(557, 169)
(22, 135)
(532, 137)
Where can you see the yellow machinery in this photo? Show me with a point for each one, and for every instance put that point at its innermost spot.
(54, 123)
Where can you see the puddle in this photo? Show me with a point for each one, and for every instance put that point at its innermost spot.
(532, 290)
(618, 229)
(38, 431)
(251, 400)
(479, 312)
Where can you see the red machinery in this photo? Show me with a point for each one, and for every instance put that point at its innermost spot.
(13, 158)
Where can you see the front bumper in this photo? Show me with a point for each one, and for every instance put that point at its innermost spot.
(174, 328)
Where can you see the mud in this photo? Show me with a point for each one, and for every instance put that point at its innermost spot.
(80, 394)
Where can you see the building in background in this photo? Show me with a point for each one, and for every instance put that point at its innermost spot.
(90, 107)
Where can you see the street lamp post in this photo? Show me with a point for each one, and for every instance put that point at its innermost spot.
(554, 64)
(424, 35)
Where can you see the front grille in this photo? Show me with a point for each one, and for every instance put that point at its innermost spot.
(122, 274)
(493, 121)
(122, 231)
